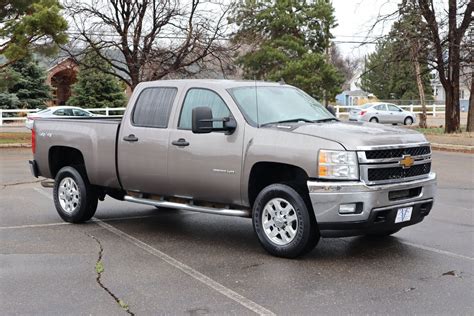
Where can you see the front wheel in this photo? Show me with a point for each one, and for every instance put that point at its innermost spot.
(283, 223)
(74, 197)
(408, 121)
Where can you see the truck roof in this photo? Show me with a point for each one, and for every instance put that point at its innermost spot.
(211, 83)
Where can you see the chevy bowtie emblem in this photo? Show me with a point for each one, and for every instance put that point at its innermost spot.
(407, 161)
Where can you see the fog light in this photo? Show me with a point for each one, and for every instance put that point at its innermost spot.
(347, 208)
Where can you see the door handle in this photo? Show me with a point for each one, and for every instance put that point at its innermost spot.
(180, 142)
(130, 138)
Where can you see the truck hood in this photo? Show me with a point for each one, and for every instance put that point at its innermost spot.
(353, 135)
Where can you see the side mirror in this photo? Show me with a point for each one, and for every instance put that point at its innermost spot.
(202, 120)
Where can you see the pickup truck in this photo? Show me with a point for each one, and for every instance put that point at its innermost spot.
(266, 151)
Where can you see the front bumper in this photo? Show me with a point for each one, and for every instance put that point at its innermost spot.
(377, 205)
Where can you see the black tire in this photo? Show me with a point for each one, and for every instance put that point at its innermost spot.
(408, 121)
(83, 201)
(384, 233)
(307, 233)
(374, 120)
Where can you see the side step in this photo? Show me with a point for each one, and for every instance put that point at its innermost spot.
(189, 207)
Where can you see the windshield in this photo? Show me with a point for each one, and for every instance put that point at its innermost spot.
(278, 104)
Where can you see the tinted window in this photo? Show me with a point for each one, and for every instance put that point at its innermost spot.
(153, 107)
(79, 112)
(63, 112)
(202, 97)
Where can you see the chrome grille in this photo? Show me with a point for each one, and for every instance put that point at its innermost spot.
(379, 165)
(379, 174)
(397, 152)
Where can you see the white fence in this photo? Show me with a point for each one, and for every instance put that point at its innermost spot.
(341, 110)
(434, 110)
(21, 114)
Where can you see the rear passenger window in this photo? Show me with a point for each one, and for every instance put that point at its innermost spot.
(153, 107)
(202, 97)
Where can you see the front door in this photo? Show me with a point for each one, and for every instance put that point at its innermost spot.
(142, 154)
(205, 167)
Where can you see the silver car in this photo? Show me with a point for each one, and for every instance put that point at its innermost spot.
(57, 111)
(379, 112)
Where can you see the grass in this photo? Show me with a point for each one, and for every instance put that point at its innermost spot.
(12, 138)
(440, 131)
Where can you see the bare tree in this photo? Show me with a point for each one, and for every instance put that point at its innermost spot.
(448, 69)
(346, 65)
(151, 39)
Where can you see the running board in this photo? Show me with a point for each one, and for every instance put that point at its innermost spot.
(189, 207)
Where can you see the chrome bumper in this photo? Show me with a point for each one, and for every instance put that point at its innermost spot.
(326, 198)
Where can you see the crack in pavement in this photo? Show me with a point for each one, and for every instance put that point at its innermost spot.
(99, 268)
(7, 185)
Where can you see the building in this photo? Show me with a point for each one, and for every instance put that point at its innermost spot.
(439, 94)
(61, 76)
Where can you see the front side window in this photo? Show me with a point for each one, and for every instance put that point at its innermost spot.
(272, 104)
(63, 112)
(202, 97)
(393, 108)
(79, 112)
(153, 107)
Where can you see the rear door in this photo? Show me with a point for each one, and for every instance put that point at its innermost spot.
(380, 112)
(206, 166)
(142, 154)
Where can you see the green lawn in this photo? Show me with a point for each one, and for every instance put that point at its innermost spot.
(436, 130)
(12, 138)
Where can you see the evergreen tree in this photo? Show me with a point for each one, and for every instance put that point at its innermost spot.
(288, 40)
(94, 88)
(23, 85)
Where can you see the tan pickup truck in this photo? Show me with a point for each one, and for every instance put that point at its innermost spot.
(266, 151)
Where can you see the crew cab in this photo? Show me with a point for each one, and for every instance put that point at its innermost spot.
(262, 150)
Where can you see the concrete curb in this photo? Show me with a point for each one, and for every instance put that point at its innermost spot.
(450, 147)
(16, 145)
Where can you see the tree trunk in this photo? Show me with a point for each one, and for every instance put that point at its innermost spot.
(419, 82)
(470, 115)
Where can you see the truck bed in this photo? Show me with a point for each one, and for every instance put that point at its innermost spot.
(94, 137)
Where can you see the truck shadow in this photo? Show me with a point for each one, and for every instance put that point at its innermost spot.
(235, 236)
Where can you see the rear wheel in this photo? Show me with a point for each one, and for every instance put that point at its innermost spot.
(74, 197)
(374, 120)
(408, 121)
(283, 222)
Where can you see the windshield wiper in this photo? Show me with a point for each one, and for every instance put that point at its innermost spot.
(326, 120)
(295, 120)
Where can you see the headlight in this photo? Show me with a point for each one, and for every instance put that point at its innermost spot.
(340, 165)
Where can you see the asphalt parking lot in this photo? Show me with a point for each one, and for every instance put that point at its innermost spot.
(176, 262)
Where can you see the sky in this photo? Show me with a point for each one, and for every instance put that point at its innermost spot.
(355, 18)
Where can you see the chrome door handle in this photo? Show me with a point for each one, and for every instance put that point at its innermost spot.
(180, 142)
(130, 138)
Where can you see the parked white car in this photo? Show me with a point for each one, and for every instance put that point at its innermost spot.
(57, 111)
(380, 112)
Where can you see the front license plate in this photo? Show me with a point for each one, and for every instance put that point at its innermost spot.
(403, 214)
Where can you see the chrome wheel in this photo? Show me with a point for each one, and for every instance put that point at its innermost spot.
(279, 221)
(68, 195)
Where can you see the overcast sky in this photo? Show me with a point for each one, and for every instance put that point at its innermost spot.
(355, 18)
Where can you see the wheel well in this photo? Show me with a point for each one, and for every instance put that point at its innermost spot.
(266, 173)
(374, 117)
(62, 156)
